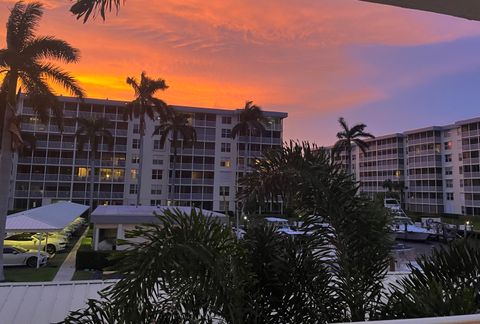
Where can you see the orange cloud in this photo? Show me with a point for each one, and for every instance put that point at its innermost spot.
(284, 55)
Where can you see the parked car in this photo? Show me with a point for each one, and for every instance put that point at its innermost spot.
(17, 256)
(30, 241)
(71, 228)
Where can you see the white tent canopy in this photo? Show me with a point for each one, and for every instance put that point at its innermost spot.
(48, 218)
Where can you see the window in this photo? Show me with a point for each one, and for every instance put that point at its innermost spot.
(226, 120)
(224, 205)
(460, 169)
(156, 174)
(447, 145)
(133, 189)
(135, 143)
(133, 174)
(156, 202)
(156, 189)
(461, 183)
(224, 191)
(449, 195)
(225, 163)
(449, 183)
(135, 158)
(226, 133)
(157, 160)
(460, 157)
(448, 171)
(157, 145)
(136, 128)
(226, 147)
(82, 172)
(448, 158)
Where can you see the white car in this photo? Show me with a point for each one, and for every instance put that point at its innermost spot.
(17, 256)
(30, 241)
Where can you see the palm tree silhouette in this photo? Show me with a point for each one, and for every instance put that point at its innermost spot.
(144, 105)
(27, 62)
(92, 131)
(348, 136)
(177, 125)
(250, 122)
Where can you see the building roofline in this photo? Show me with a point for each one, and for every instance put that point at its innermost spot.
(424, 129)
(218, 111)
(467, 121)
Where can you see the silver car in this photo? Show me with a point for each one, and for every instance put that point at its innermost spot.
(18, 256)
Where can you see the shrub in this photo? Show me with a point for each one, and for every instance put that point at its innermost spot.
(90, 259)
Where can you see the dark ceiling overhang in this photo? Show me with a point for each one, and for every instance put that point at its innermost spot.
(468, 9)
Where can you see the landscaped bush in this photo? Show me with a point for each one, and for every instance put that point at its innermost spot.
(90, 259)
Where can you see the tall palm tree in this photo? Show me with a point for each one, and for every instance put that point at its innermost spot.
(176, 125)
(92, 131)
(144, 105)
(251, 121)
(348, 136)
(27, 61)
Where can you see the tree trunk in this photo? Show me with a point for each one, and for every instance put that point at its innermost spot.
(92, 177)
(6, 161)
(140, 163)
(349, 160)
(174, 168)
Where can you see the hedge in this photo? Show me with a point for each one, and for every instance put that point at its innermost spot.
(95, 260)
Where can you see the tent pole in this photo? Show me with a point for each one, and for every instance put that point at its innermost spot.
(38, 251)
(46, 241)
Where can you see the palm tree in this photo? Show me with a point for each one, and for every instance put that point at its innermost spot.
(144, 105)
(349, 136)
(251, 121)
(93, 130)
(27, 61)
(177, 125)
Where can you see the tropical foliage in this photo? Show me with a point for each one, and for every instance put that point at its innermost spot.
(193, 270)
(348, 136)
(176, 125)
(300, 175)
(447, 283)
(93, 131)
(145, 105)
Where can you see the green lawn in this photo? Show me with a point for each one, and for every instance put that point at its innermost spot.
(46, 273)
(83, 275)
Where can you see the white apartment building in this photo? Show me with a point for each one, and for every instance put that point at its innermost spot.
(206, 171)
(439, 167)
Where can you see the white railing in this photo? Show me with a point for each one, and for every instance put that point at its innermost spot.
(461, 319)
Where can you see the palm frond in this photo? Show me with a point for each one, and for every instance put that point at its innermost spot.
(62, 78)
(22, 23)
(85, 8)
(48, 47)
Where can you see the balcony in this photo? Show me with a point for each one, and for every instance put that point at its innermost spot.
(471, 174)
(425, 201)
(425, 188)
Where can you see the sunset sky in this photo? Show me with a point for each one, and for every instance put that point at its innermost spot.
(393, 69)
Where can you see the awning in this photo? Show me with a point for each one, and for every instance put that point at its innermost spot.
(468, 9)
(48, 218)
(143, 214)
